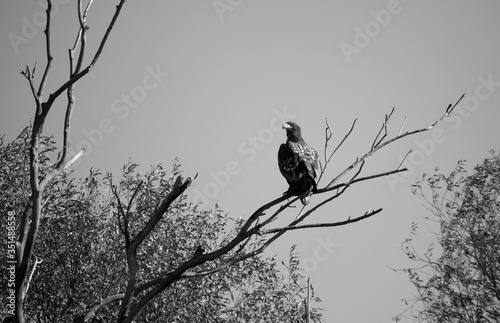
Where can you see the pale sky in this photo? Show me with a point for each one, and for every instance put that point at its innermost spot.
(211, 82)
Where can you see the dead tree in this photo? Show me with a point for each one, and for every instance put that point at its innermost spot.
(30, 219)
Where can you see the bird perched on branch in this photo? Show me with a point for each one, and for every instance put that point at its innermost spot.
(298, 163)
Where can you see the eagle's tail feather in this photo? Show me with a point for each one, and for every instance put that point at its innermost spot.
(306, 198)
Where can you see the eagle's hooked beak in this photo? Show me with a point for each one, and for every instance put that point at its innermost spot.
(286, 126)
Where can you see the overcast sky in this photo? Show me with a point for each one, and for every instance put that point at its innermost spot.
(211, 83)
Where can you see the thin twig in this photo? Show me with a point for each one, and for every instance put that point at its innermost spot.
(328, 136)
(300, 212)
(48, 51)
(365, 178)
(449, 109)
(37, 262)
(30, 75)
(380, 145)
(404, 158)
(341, 188)
(327, 161)
(402, 126)
(321, 225)
(275, 214)
(384, 126)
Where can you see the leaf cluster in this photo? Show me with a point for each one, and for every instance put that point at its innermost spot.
(459, 276)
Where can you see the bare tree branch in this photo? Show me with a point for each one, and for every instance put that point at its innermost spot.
(86, 70)
(102, 303)
(227, 264)
(30, 220)
(74, 158)
(381, 144)
(126, 214)
(243, 257)
(280, 209)
(126, 313)
(328, 136)
(321, 225)
(402, 126)
(30, 75)
(377, 141)
(61, 163)
(48, 51)
(404, 158)
(179, 187)
(37, 262)
(165, 279)
(82, 35)
(365, 178)
(121, 215)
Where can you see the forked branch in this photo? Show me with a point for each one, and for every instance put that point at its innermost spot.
(328, 136)
(30, 220)
(322, 225)
(380, 143)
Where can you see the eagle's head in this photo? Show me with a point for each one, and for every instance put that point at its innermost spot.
(293, 132)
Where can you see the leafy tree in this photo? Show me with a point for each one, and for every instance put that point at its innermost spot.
(460, 277)
(79, 254)
(135, 242)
